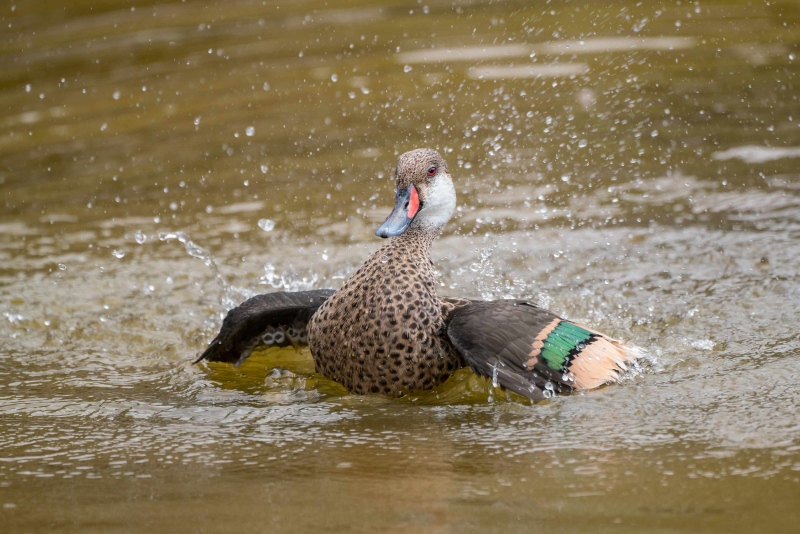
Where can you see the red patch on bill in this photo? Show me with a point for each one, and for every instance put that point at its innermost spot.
(413, 203)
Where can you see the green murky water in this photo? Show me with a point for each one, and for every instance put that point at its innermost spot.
(632, 165)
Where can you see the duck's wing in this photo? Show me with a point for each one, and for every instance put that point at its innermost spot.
(274, 319)
(533, 352)
(450, 304)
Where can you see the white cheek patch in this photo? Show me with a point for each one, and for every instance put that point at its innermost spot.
(440, 202)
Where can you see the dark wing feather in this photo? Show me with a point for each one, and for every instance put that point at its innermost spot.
(450, 304)
(495, 338)
(278, 319)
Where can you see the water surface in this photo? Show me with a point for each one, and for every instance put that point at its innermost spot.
(630, 165)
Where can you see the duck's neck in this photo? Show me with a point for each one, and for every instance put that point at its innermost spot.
(416, 240)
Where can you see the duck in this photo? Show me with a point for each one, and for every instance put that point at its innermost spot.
(387, 331)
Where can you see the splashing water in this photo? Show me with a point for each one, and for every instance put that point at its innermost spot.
(624, 206)
(485, 268)
(267, 225)
(231, 296)
(287, 280)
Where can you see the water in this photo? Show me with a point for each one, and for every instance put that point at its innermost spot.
(630, 166)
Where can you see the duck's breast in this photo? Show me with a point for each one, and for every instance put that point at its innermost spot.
(383, 331)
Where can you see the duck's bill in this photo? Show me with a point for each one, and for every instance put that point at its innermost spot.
(406, 206)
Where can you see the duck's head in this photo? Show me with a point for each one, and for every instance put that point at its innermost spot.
(425, 193)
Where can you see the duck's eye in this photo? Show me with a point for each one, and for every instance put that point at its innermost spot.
(432, 171)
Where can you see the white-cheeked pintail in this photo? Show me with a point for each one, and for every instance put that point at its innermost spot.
(387, 331)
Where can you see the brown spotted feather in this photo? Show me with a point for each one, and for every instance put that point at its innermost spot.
(384, 330)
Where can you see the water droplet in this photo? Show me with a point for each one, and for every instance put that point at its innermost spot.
(264, 169)
(118, 254)
(115, 95)
(13, 317)
(583, 143)
(384, 258)
(703, 344)
(495, 381)
(62, 267)
(267, 225)
(139, 237)
(250, 131)
(195, 250)
(407, 68)
(197, 121)
(334, 78)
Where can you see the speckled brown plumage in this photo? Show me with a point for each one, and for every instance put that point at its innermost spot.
(386, 331)
(412, 167)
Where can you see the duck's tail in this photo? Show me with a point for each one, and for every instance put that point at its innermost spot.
(602, 360)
